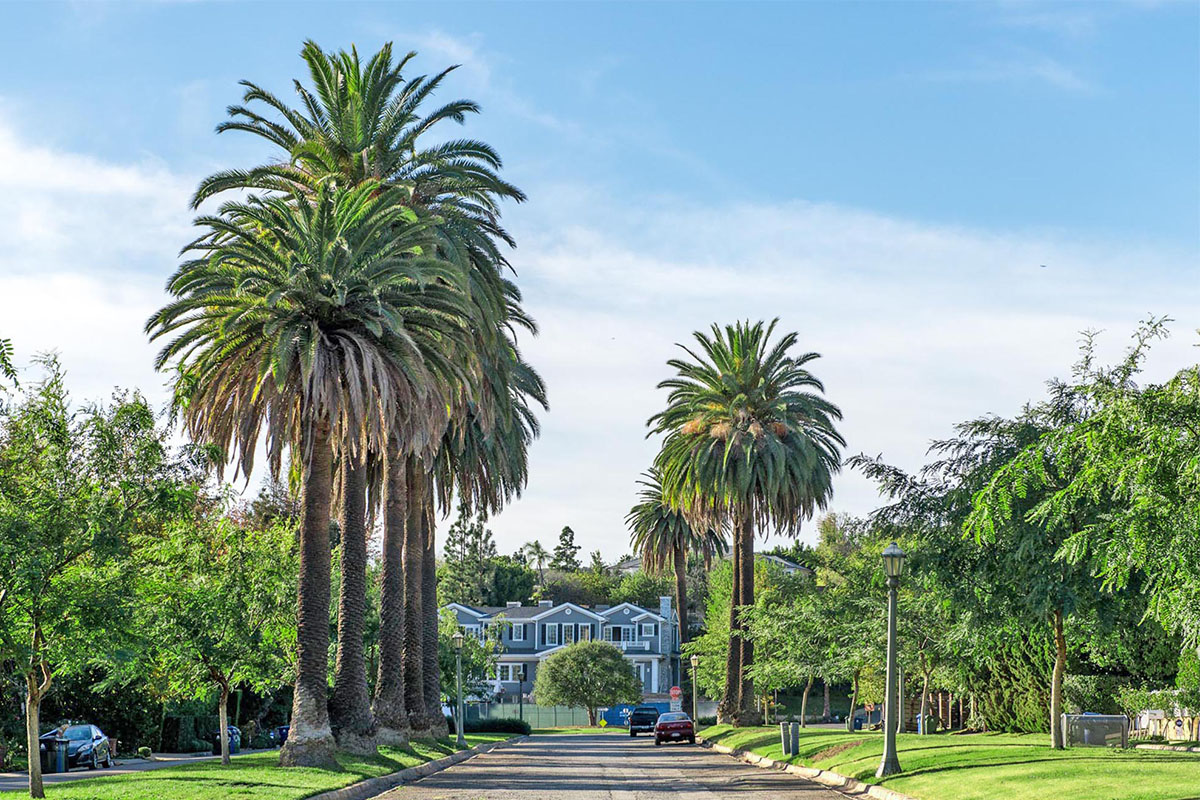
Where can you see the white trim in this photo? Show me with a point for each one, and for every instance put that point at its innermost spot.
(642, 630)
(468, 609)
(654, 675)
(560, 607)
(632, 607)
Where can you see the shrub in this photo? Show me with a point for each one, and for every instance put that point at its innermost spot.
(144, 752)
(706, 721)
(498, 725)
(1098, 693)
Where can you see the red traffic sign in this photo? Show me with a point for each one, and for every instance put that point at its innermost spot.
(676, 693)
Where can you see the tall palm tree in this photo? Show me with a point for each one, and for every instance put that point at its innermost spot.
(749, 443)
(362, 122)
(314, 318)
(661, 535)
(539, 555)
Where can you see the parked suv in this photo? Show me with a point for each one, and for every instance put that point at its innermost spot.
(642, 720)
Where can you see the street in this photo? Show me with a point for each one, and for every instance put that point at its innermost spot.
(579, 767)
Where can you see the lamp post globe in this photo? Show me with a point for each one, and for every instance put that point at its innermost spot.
(893, 567)
(459, 721)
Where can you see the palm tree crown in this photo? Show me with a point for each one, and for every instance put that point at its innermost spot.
(658, 532)
(745, 431)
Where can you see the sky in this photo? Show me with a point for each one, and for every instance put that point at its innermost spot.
(938, 197)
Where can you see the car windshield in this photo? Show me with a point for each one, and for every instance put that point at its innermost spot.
(78, 732)
(673, 717)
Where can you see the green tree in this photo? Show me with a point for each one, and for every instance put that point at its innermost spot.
(566, 552)
(660, 536)
(512, 581)
(468, 564)
(7, 370)
(587, 675)
(538, 556)
(750, 443)
(311, 316)
(478, 659)
(75, 488)
(215, 608)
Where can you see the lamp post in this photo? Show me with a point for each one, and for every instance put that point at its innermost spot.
(893, 566)
(695, 689)
(458, 644)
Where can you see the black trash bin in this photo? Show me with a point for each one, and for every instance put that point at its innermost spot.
(858, 724)
(47, 758)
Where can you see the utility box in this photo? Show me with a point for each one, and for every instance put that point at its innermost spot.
(1095, 730)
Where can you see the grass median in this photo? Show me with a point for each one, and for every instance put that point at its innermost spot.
(983, 766)
(255, 776)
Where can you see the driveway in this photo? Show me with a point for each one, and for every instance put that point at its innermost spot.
(585, 766)
(12, 781)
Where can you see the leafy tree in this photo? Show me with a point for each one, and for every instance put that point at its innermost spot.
(215, 605)
(566, 553)
(750, 444)
(587, 675)
(640, 588)
(7, 370)
(468, 568)
(75, 488)
(478, 659)
(313, 315)
(512, 581)
(661, 535)
(597, 564)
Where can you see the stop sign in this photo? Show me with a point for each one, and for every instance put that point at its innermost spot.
(676, 693)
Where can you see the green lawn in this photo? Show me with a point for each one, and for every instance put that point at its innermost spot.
(254, 776)
(985, 766)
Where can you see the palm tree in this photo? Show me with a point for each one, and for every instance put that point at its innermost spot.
(539, 555)
(661, 535)
(749, 443)
(315, 319)
(362, 122)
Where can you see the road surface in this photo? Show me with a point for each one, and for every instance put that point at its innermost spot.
(583, 767)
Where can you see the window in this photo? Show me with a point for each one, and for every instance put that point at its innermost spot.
(608, 634)
(647, 629)
(551, 634)
(568, 631)
(585, 633)
(503, 672)
(518, 633)
(626, 633)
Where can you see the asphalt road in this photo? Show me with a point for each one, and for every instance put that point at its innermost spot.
(13, 781)
(579, 767)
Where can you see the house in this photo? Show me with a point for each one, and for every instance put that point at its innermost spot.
(628, 566)
(528, 635)
(789, 567)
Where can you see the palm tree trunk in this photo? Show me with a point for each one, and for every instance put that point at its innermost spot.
(749, 712)
(310, 740)
(390, 716)
(414, 619)
(730, 700)
(433, 684)
(681, 592)
(1056, 682)
(350, 708)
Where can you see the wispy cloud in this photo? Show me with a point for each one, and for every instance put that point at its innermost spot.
(1027, 68)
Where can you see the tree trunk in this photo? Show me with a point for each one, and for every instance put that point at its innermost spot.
(310, 740)
(728, 707)
(853, 702)
(924, 697)
(1056, 682)
(825, 712)
(414, 619)
(223, 724)
(680, 556)
(748, 712)
(350, 708)
(591, 712)
(33, 708)
(433, 672)
(804, 703)
(390, 716)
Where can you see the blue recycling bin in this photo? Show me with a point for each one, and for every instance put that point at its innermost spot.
(60, 754)
(858, 724)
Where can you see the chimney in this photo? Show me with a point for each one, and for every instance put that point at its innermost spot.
(545, 603)
(513, 604)
(664, 607)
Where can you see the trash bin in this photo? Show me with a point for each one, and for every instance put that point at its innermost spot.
(281, 734)
(857, 724)
(60, 760)
(235, 741)
(47, 758)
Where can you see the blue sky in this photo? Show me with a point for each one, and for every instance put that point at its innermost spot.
(887, 178)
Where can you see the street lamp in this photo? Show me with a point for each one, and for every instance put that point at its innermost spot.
(695, 689)
(458, 643)
(893, 565)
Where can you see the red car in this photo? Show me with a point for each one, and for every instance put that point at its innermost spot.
(674, 726)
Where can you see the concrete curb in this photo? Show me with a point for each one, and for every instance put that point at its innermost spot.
(376, 786)
(1178, 748)
(850, 787)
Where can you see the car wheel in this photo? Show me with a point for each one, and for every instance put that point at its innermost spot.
(691, 740)
(95, 762)
(632, 735)
(658, 743)
(108, 760)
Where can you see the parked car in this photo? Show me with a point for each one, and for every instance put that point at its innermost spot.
(86, 745)
(674, 726)
(642, 720)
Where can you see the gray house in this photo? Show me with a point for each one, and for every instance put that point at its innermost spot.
(529, 634)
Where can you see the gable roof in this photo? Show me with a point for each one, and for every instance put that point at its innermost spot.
(561, 606)
(637, 611)
(472, 611)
